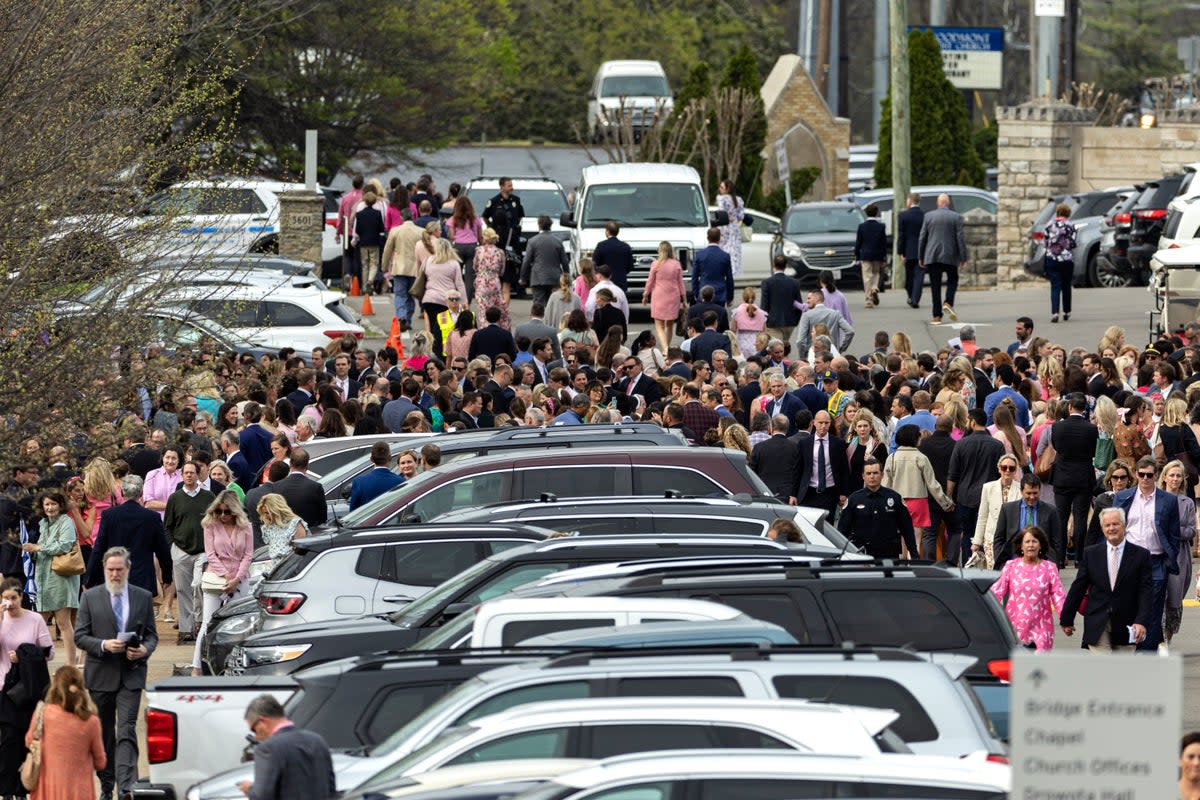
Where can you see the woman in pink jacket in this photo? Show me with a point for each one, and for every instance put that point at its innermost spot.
(228, 546)
(443, 274)
(664, 293)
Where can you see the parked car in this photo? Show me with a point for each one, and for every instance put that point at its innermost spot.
(1148, 215)
(539, 196)
(1113, 269)
(776, 774)
(489, 780)
(603, 727)
(819, 237)
(606, 516)
(740, 631)
(231, 648)
(354, 451)
(516, 476)
(177, 329)
(1182, 227)
(756, 254)
(962, 200)
(1088, 210)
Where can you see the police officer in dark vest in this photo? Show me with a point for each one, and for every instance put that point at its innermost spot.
(504, 214)
(875, 518)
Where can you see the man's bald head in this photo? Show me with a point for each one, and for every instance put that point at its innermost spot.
(943, 201)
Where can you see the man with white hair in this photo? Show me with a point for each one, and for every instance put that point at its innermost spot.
(942, 249)
(306, 428)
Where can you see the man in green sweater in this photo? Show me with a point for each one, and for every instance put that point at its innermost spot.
(183, 521)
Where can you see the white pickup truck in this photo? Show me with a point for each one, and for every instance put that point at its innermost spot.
(195, 728)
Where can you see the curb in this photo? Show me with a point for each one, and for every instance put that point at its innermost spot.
(1191, 603)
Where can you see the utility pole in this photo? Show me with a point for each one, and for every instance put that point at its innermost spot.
(823, 26)
(901, 164)
(937, 13)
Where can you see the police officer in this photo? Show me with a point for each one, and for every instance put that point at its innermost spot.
(504, 214)
(875, 517)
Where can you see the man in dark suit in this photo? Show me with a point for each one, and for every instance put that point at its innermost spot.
(943, 251)
(774, 459)
(782, 401)
(115, 627)
(1152, 522)
(302, 493)
(636, 381)
(491, 340)
(304, 393)
(1115, 575)
(1017, 515)
(614, 253)
(779, 295)
(752, 388)
(710, 339)
(140, 531)
(985, 364)
(676, 364)
(231, 448)
(347, 387)
(369, 485)
(808, 392)
(254, 440)
(706, 304)
(908, 235)
(822, 470)
(499, 388)
(289, 763)
(1074, 477)
(712, 267)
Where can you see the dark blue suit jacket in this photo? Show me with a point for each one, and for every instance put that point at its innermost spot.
(708, 342)
(870, 243)
(908, 232)
(367, 487)
(619, 258)
(299, 399)
(1166, 521)
(812, 397)
(140, 531)
(241, 469)
(712, 267)
(294, 764)
(791, 404)
(254, 442)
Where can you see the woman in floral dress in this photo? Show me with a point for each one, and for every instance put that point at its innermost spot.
(731, 234)
(489, 266)
(1030, 590)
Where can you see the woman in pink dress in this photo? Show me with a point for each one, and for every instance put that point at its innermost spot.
(585, 281)
(664, 293)
(1030, 590)
(748, 321)
(72, 746)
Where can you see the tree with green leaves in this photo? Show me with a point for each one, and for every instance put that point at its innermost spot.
(942, 147)
(741, 72)
(1130, 41)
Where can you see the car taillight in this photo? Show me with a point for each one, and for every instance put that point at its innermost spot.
(1001, 668)
(281, 603)
(340, 334)
(997, 759)
(331, 220)
(1172, 246)
(1124, 218)
(1038, 236)
(1151, 213)
(161, 738)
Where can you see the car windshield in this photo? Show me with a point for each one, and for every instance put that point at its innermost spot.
(404, 765)
(358, 517)
(536, 202)
(445, 637)
(189, 200)
(645, 205)
(823, 219)
(634, 86)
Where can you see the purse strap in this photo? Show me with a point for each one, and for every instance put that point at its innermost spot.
(37, 732)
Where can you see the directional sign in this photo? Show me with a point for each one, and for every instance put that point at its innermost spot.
(1095, 727)
(972, 58)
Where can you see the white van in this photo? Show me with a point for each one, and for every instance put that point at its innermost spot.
(652, 202)
(639, 88)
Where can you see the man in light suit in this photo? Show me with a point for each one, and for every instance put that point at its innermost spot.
(840, 330)
(712, 267)
(545, 260)
(1016, 515)
(302, 493)
(1152, 522)
(536, 328)
(289, 763)
(942, 250)
(140, 531)
(115, 627)
(1117, 599)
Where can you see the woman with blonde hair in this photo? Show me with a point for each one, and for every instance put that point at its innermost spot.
(665, 293)
(228, 546)
(1177, 441)
(279, 525)
(1173, 479)
(993, 495)
(489, 263)
(957, 410)
(747, 321)
(1049, 375)
(1127, 372)
(864, 443)
(561, 302)
(1114, 337)
(736, 437)
(72, 745)
(102, 490)
(901, 343)
(221, 473)
(952, 386)
(443, 275)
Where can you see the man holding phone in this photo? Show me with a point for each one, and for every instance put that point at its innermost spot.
(115, 627)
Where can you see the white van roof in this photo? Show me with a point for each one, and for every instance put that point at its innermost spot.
(631, 67)
(599, 174)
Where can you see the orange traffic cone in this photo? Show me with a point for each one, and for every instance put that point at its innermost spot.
(355, 289)
(394, 341)
(367, 309)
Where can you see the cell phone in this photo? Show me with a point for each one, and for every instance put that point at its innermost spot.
(133, 641)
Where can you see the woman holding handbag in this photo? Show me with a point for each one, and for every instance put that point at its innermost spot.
(1177, 441)
(57, 567)
(71, 748)
(228, 546)
(25, 632)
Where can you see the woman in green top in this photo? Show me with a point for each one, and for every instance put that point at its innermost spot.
(219, 471)
(57, 595)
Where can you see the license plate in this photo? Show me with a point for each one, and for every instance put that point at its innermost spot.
(837, 274)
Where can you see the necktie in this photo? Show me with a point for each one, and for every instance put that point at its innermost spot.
(1112, 567)
(119, 611)
(821, 464)
(1028, 516)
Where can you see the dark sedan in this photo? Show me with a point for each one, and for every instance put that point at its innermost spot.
(819, 237)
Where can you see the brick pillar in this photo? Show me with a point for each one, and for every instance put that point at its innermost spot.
(301, 226)
(1035, 145)
(979, 227)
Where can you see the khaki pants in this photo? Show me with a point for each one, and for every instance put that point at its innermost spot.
(870, 276)
(1105, 645)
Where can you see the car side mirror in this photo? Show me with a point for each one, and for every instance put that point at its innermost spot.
(346, 490)
(566, 219)
(454, 609)
(591, 95)
(719, 219)
(773, 229)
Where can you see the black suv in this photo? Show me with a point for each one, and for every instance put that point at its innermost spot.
(286, 650)
(819, 237)
(1148, 216)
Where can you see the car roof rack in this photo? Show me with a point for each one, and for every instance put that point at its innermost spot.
(886, 568)
(847, 650)
(381, 659)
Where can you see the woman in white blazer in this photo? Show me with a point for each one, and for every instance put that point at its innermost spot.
(995, 494)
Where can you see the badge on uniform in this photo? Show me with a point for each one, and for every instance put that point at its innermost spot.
(891, 502)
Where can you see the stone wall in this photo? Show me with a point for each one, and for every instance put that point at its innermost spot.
(1035, 144)
(980, 229)
(796, 111)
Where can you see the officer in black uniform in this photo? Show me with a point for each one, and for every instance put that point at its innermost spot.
(875, 517)
(504, 213)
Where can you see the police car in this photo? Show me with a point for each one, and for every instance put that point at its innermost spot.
(539, 195)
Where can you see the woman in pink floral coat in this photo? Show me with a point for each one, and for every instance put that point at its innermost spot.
(1030, 590)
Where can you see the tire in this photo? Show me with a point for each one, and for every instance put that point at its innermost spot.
(1089, 271)
(1108, 276)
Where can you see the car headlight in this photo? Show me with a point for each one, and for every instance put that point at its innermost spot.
(235, 629)
(792, 250)
(193, 793)
(257, 656)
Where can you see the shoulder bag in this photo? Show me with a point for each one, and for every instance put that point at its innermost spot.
(212, 583)
(70, 563)
(31, 767)
(417, 290)
(1045, 462)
